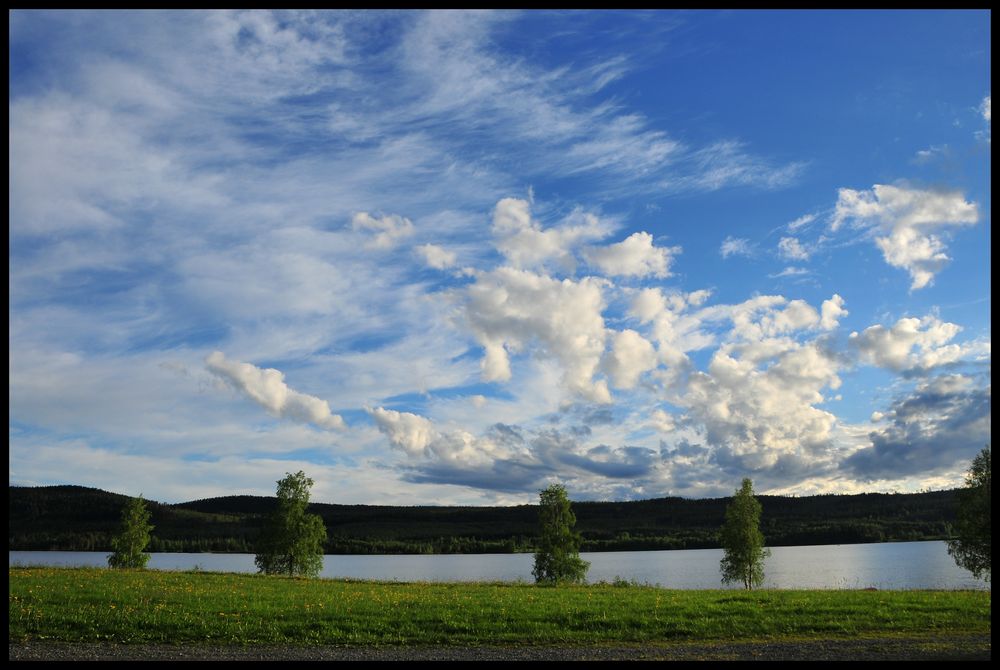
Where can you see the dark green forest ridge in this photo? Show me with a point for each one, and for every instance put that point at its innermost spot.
(76, 518)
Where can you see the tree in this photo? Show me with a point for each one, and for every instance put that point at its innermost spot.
(130, 544)
(742, 540)
(292, 541)
(558, 557)
(971, 547)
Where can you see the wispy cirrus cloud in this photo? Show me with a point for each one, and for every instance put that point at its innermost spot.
(736, 246)
(728, 164)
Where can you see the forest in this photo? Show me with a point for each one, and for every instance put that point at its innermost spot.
(76, 518)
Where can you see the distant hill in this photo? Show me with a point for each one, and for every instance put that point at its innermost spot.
(76, 518)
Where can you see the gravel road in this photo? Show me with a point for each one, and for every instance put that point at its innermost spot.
(972, 648)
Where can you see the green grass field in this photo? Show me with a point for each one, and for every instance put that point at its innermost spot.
(89, 605)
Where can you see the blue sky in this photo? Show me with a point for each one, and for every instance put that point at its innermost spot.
(451, 257)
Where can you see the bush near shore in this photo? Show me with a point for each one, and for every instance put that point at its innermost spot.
(144, 606)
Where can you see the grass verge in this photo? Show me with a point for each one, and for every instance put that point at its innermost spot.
(90, 605)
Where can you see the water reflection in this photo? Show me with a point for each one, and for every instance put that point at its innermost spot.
(896, 565)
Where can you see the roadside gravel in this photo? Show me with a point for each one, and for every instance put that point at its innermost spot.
(973, 648)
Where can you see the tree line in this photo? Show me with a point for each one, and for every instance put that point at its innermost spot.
(80, 519)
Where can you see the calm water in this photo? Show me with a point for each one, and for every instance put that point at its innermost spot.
(895, 565)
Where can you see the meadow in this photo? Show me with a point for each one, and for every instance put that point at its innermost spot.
(144, 606)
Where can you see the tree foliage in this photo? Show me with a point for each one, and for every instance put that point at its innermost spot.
(742, 541)
(291, 542)
(558, 557)
(971, 548)
(129, 545)
(73, 518)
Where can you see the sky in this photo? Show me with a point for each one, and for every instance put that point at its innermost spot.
(452, 257)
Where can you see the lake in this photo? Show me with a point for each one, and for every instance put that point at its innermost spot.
(890, 565)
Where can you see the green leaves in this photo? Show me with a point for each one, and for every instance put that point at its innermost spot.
(292, 541)
(972, 549)
(558, 557)
(130, 544)
(742, 541)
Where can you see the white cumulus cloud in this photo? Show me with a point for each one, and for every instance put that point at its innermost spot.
(631, 355)
(411, 432)
(907, 219)
(763, 417)
(267, 388)
(831, 311)
(527, 245)
(914, 343)
(511, 310)
(635, 256)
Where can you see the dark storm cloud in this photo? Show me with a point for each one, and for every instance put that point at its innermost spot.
(503, 475)
(622, 463)
(943, 424)
(506, 434)
(682, 448)
(550, 453)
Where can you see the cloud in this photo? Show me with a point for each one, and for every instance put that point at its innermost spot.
(273, 54)
(630, 356)
(942, 425)
(505, 457)
(510, 310)
(411, 432)
(647, 304)
(803, 220)
(984, 111)
(907, 218)
(755, 406)
(268, 389)
(662, 421)
(633, 257)
(457, 75)
(791, 249)
(726, 163)
(676, 329)
(790, 271)
(437, 257)
(388, 229)
(527, 245)
(619, 463)
(832, 310)
(736, 246)
(763, 316)
(79, 167)
(924, 156)
(893, 347)
(760, 416)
